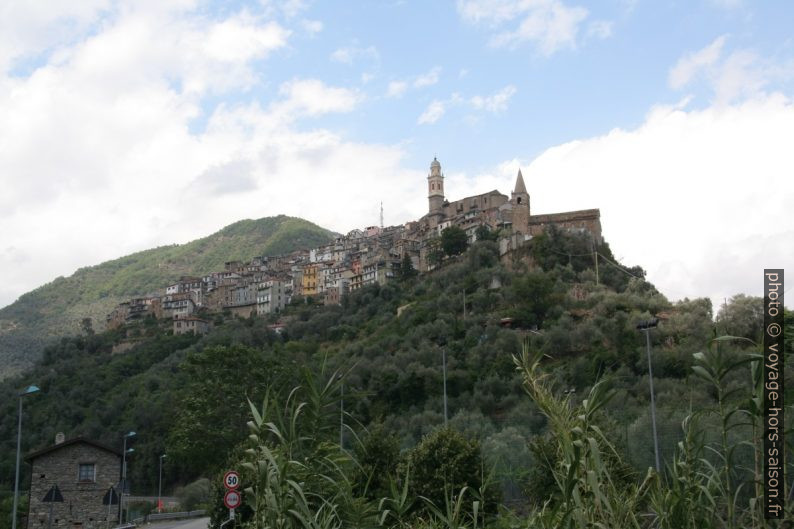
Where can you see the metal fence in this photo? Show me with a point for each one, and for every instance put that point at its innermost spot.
(165, 516)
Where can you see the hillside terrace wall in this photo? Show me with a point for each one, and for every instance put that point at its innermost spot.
(588, 219)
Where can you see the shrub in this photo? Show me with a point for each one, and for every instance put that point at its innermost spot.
(194, 494)
(443, 463)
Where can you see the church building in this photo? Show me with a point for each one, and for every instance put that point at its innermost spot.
(495, 210)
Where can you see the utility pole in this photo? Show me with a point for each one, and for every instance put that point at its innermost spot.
(342, 416)
(28, 391)
(124, 473)
(595, 257)
(341, 411)
(160, 486)
(444, 370)
(646, 327)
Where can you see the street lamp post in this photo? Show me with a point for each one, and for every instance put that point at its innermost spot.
(444, 371)
(341, 411)
(342, 415)
(28, 391)
(646, 326)
(124, 452)
(160, 485)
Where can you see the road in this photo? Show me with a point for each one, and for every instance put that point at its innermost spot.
(198, 523)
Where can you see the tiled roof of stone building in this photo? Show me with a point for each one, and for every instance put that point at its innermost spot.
(75, 440)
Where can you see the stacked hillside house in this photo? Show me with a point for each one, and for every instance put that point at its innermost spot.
(265, 285)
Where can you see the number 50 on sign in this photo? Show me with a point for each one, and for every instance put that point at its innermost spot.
(231, 480)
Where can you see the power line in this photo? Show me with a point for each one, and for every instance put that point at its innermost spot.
(588, 254)
(620, 267)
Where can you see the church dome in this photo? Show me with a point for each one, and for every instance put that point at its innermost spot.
(435, 163)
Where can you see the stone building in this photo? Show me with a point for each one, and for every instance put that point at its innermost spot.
(271, 297)
(84, 471)
(134, 309)
(191, 325)
(586, 221)
(309, 280)
(495, 210)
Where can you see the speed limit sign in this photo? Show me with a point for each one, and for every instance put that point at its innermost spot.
(231, 480)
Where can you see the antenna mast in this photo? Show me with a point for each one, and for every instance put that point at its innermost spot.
(381, 215)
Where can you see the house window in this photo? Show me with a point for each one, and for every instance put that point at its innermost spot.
(86, 472)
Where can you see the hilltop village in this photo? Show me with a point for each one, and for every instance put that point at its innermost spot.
(362, 257)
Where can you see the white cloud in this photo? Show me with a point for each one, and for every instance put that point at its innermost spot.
(292, 8)
(428, 79)
(311, 97)
(115, 144)
(312, 27)
(242, 38)
(700, 198)
(496, 102)
(693, 63)
(740, 75)
(30, 28)
(399, 87)
(432, 113)
(349, 54)
(732, 77)
(549, 24)
(600, 29)
(396, 89)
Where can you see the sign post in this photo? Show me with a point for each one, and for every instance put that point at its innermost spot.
(232, 499)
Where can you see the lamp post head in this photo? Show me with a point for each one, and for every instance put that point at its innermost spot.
(645, 325)
(130, 450)
(29, 390)
(130, 434)
(164, 456)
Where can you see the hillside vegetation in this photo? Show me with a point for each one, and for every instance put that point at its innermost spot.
(549, 417)
(57, 308)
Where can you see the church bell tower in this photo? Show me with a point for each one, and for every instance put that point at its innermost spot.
(520, 203)
(435, 187)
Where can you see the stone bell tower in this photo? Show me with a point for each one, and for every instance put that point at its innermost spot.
(520, 201)
(435, 187)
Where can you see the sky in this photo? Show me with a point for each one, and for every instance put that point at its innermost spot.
(129, 125)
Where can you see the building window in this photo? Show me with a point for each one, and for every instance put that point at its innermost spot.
(86, 472)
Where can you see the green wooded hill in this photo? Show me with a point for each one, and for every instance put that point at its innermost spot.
(57, 308)
(188, 396)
